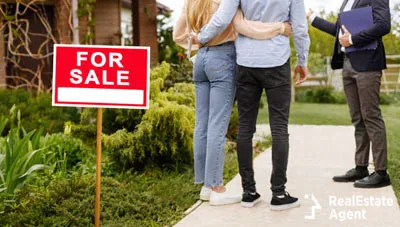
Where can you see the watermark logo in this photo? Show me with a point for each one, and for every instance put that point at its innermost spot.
(348, 208)
(314, 208)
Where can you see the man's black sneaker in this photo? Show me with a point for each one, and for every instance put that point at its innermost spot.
(373, 181)
(351, 176)
(283, 202)
(250, 199)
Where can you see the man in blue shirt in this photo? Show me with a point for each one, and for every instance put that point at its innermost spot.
(264, 64)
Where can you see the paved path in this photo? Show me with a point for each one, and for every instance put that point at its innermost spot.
(317, 153)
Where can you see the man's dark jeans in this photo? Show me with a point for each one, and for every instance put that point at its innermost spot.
(250, 84)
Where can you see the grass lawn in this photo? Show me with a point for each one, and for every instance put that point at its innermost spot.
(331, 114)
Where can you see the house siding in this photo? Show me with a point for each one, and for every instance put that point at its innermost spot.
(108, 22)
(148, 27)
(62, 28)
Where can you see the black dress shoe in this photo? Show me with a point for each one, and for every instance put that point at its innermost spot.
(373, 181)
(352, 175)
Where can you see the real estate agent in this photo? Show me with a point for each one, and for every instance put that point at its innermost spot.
(362, 72)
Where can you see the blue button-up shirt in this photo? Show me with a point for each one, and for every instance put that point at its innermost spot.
(263, 53)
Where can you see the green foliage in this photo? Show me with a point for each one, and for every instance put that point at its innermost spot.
(168, 50)
(20, 154)
(329, 95)
(86, 9)
(68, 151)
(115, 119)
(152, 198)
(180, 73)
(386, 99)
(233, 125)
(164, 136)
(392, 40)
(316, 63)
(320, 95)
(36, 111)
(321, 42)
(87, 133)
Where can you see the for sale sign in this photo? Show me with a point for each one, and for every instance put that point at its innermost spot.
(101, 76)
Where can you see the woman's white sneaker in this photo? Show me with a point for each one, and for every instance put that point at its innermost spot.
(205, 194)
(225, 198)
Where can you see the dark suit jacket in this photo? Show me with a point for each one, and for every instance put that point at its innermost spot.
(362, 61)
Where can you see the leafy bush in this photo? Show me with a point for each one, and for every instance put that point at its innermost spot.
(116, 119)
(37, 111)
(317, 63)
(233, 125)
(386, 99)
(150, 199)
(320, 95)
(113, 119)
(87, 133)
(164, 137)
(329, 95)
(67, 151)
(180, 73)
(20, 154)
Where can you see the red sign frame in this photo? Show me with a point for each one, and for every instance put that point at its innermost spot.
(101, 76)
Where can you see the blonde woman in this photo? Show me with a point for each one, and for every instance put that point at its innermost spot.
(214, 79)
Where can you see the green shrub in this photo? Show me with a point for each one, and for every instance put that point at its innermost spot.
(180, 73)
(87, 133)
(321, 95)
(324, 95)
(68, 151)
(317, 63)
(329, 95)
(113, 119)
(340, 97)
(386, 99)
(37, 111)
(116, 119)
(156, 198)
(233, 125)
(20, 154)
(164, 136)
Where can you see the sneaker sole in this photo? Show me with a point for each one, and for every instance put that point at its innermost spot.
(222, 203)
(250, 204)
(284, 207)
(381, 185)
(204, 198)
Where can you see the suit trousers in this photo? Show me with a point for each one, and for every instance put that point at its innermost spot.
(362, 91)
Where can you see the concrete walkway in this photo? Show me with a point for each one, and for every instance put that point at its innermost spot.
(317, 153)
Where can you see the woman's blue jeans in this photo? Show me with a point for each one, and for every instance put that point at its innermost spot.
(214, 79)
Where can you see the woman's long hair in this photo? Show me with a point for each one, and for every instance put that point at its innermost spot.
(198, 13)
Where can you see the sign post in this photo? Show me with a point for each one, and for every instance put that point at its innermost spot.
(98, 166)
(101, 77)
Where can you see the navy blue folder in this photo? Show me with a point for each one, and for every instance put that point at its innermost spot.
(358, 20)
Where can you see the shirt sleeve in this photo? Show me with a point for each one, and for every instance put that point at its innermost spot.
(300, 31)
(180, 32)
(256, 29)
(312, 17)
(219, 21)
